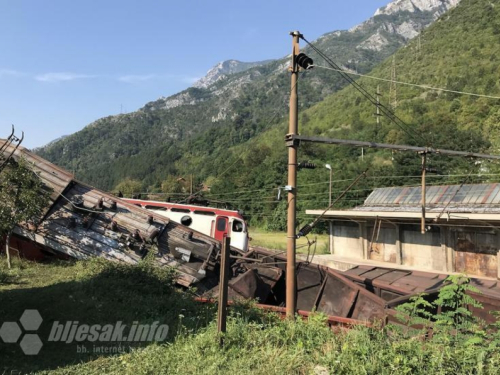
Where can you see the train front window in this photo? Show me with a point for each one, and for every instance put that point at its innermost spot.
(221, 224)
(237, 226)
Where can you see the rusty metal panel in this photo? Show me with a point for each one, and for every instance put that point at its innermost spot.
(388, 296)
(309, 281)
(391, 276)
(476, 264)
(358, 271)
(367, 308)
(337, 298)
(476, 253)
(375, 273)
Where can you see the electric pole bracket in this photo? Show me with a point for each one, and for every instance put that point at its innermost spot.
(291, 141)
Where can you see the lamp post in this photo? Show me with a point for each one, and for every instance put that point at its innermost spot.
(330, 224)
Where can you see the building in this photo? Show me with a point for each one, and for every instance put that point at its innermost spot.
(461, 229)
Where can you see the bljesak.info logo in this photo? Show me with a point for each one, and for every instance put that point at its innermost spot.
(24, 333)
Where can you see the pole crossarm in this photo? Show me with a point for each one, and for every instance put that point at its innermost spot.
(294, 138)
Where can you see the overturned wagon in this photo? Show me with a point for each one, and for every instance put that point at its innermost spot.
(81, 221)
(260, 274)
(363, 293)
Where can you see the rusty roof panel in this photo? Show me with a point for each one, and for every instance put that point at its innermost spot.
(390, 277)
(456, 198)
(375, 273)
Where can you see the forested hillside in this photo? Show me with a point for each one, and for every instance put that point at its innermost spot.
(460, 52)
(175, 135)
(243, 157)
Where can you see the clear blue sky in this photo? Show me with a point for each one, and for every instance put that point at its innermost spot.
(64, 64)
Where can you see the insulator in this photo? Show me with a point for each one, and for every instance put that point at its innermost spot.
(306, 229)
(304, 61)
(432, 170)
(306, 165)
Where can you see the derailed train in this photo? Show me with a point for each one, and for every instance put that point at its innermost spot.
(81, 221)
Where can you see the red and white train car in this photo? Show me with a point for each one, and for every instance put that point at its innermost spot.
(211, 221)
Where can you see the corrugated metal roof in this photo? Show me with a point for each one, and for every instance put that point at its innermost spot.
(458, 198)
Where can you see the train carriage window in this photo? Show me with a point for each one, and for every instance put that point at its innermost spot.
(207, 213)
(179, 210)
(157, 208)
(237, 226)
(186, 220)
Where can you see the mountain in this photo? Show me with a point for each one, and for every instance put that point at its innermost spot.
(233, 104)
(460, 53)
(224, 68)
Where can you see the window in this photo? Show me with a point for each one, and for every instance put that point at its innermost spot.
(186, 220)
(207, 213)
(179, 210)
(237, 226)
(157, 208)
(221, 224)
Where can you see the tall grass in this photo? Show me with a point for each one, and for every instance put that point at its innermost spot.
(255, 342)
(258, 343)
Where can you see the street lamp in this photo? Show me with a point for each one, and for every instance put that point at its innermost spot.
(329, 167)
(330, 224)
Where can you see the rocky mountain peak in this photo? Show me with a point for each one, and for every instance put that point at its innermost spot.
(438, 6)
(224, 68)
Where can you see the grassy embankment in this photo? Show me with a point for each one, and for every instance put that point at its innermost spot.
(100, 292)
(277, 241)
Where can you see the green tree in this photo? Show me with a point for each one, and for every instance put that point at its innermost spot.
(23, 197)
(129, 187)
(171, 185)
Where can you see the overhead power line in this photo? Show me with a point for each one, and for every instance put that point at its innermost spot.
(385, 111)
(427, 87)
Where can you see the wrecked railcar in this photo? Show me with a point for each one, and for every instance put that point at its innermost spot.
(81, 221)
(397, 286)
(260, 275)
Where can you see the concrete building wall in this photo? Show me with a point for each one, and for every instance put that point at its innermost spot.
(346, 240)
(444, 249)
(384, 246)
(422, 250)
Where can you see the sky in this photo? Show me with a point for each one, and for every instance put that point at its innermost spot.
(65, 64)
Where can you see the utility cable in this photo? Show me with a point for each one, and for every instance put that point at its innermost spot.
(308, 227)
(386, 111)
(427, 87)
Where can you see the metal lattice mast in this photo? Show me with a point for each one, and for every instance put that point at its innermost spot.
(393, 94)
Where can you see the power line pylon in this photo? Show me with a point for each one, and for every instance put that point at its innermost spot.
(393, 93)
(419, 42)
(378, 107)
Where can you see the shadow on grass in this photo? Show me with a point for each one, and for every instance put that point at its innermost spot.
(100, 294)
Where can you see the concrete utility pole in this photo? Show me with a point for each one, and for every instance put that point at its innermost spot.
(223, 291)
(330, 224)
(424, 170)
(291, 283)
